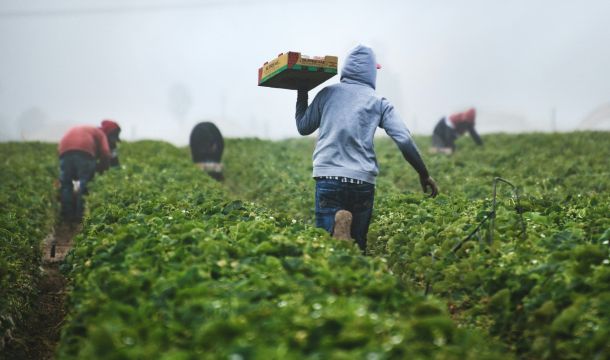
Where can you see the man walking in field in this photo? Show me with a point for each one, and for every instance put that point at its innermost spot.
(450, 127)
(344, 160)
(79, 151)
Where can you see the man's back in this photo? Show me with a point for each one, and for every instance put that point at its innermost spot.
(206, 143)
(348, 115)
(351, 114)
(87, 139)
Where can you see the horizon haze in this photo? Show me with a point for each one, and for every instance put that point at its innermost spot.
(160, 67)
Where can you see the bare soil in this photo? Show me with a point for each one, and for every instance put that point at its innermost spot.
(38, 335)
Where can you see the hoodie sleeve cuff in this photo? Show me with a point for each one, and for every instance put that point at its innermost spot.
(302, 95)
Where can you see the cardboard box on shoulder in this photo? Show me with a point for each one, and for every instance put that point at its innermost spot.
(294, 71)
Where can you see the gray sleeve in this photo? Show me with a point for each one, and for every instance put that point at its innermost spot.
(397, 130)
(307, 117)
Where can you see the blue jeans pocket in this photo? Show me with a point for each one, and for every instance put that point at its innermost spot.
(328, 202)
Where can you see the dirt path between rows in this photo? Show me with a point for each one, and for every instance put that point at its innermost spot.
(37, 337)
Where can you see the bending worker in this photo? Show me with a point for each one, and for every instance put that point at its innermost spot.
(82, 150)
(449, 128)
(344, 161)
(207, 145)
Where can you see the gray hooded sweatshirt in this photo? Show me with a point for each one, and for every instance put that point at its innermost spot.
(347, 115)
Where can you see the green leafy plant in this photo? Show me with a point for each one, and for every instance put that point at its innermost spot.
(27, 213)
(545, 296)
(169, 266)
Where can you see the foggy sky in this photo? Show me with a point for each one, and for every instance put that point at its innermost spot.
(159, 67)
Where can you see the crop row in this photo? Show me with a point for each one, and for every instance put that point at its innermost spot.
(169, 267)
(27, 212)
(545, 295)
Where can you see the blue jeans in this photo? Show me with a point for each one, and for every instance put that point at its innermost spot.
(334, 195)
(74, 165)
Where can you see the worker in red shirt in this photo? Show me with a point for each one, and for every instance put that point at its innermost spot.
(82, 150)
(449, 128)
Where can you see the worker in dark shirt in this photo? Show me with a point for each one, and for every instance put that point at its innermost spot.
(207, 144)
(449, 128)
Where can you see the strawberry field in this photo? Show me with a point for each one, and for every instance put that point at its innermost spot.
(173, 265)
(27, 208)
(545, 295)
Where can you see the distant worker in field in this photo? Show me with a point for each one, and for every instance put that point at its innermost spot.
(112, 130)
(449, 128)
(344, 161)
(207, 144)
(82, 150)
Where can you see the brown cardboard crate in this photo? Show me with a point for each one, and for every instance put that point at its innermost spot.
(293, 71)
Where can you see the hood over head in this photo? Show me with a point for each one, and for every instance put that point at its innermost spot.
(465, 117)
(360, 67)
(470, 115)
(110, 127)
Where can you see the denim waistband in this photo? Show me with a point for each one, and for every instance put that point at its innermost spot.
(77, 153)
(342, 179)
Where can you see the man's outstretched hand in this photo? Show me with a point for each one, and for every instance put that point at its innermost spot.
(427, 182)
